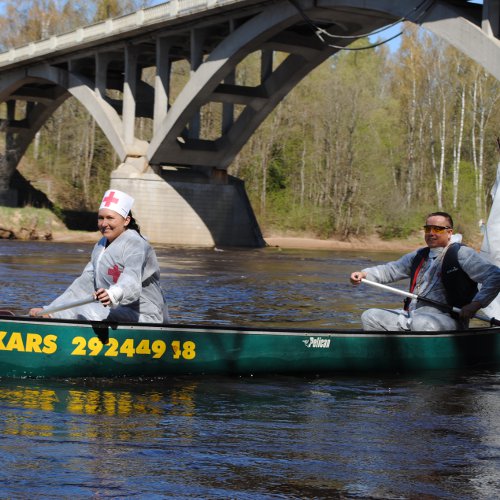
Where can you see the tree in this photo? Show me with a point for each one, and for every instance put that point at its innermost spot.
(485, 95)
(32, 20)
(106, 9)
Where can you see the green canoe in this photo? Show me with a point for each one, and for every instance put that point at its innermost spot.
(41, 347)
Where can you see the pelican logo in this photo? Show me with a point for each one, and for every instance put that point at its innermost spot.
(317, 342)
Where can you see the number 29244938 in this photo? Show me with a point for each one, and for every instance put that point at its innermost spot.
(132, 347)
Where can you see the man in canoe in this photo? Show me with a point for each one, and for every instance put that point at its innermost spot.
(444, 272)
(122, 276)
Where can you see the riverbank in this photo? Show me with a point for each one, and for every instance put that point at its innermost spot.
(368, 243)
(67, 236)
(30, 223)
(42, 224)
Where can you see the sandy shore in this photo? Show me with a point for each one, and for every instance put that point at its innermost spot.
(76, 236)
(371, 243)
(368, 243)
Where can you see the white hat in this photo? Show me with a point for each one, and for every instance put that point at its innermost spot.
(118, 201)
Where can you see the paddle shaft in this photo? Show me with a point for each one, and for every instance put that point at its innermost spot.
(410, 295)
(69, 305)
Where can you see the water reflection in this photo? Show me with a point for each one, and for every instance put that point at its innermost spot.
(258, 437)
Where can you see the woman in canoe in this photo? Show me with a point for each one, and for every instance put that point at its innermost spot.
(123, 273)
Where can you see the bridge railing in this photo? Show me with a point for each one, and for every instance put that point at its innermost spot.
(108, 28)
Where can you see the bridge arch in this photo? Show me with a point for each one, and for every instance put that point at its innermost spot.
(19, 131)
(280, 28)
(76, 85)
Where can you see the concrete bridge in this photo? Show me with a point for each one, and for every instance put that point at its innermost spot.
(178, 174)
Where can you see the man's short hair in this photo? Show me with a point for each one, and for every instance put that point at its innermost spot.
(446, 215)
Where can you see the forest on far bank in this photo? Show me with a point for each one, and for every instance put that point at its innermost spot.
(368, 143)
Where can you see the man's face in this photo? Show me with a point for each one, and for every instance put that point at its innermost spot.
(434, 236)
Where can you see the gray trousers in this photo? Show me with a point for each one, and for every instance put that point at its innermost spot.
(424, 319)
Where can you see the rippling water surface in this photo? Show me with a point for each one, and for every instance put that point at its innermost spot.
(391, 436)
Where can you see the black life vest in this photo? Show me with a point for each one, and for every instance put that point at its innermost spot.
(459, 288)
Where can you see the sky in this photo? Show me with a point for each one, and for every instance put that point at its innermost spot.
(388, 33)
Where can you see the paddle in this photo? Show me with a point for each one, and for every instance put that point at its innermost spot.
(62, 307)
(491, 321)
(69, 305)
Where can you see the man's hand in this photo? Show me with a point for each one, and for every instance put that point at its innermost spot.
(357, 276)
(468, 311)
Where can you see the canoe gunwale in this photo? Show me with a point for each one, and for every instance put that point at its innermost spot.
(235, 329)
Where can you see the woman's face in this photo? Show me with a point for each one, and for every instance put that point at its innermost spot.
(111, 224)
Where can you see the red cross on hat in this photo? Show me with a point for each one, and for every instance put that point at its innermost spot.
(107, 200)
(118, 201)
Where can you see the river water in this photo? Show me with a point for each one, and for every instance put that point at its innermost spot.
(431, 436)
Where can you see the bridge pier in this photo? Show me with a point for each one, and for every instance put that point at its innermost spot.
(185, 206)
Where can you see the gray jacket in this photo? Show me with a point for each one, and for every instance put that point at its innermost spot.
(129, 270)
(477, 268)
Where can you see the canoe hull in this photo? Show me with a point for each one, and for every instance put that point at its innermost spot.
(50, 348)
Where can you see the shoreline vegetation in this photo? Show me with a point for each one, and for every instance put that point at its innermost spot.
(30, 223)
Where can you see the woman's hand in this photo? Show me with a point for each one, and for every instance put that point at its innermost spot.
(103, 297)
(36, 312)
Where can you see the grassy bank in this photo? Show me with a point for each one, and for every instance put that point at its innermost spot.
(28, 223)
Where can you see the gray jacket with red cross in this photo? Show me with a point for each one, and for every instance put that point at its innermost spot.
(129, 270)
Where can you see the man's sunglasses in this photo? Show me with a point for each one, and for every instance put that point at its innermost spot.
(435, 229)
